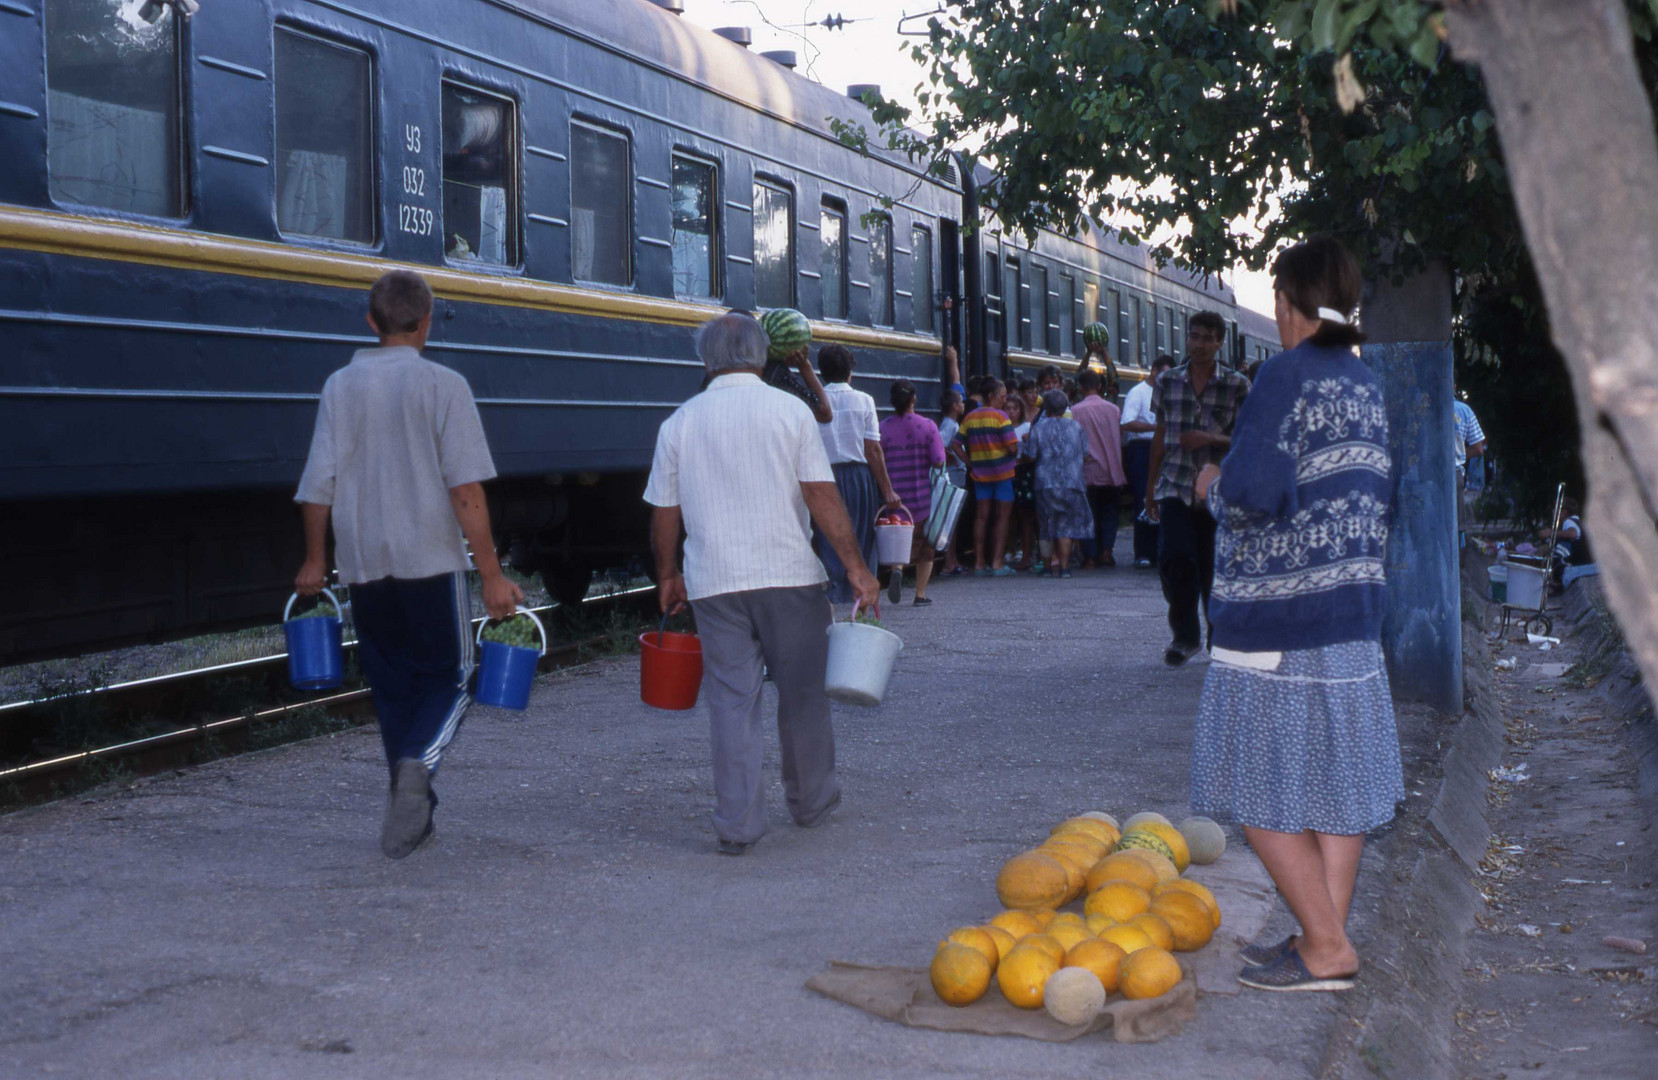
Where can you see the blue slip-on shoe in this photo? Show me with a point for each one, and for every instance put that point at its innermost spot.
(1288, 974)
(1006, 571)
(1258, 955)
(983, 572)
(733, 847)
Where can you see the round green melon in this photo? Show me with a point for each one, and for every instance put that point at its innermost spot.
(1073, 996)
(788, 330)
(1206, 839)
(1096, 336)
(1150, 841)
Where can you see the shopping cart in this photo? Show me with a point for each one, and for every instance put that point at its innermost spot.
(1528, 591)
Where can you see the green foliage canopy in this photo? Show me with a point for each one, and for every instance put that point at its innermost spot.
(1190, 125)
(1347, 117)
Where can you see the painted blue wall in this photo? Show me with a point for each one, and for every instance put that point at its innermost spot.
(1422, 628)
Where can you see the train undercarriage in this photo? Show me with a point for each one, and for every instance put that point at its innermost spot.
(84, 575)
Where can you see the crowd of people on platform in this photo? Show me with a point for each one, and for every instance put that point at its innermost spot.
(771, 498)
(1049, 466)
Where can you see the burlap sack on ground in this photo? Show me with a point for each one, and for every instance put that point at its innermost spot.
(1245, 893)
(906, 995)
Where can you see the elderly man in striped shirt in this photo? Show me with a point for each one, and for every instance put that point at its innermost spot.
(742, 468)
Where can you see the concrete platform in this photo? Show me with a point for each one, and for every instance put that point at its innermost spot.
(572, 918)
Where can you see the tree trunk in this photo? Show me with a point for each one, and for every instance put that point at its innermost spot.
(1577, 135)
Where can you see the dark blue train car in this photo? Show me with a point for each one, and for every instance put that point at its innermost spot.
(1041, 293)
(192, 208)
(1257, 339)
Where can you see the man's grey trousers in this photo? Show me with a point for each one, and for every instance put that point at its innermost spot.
(743, 634)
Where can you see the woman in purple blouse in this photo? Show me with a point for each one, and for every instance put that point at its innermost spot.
(912, 447)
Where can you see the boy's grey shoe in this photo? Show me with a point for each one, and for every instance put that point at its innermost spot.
(408, 809)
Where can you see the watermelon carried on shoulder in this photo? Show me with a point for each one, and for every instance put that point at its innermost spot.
(788, 331)
(1096, 337)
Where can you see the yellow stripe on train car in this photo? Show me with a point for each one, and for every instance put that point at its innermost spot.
(1068, 365)
(55, 233)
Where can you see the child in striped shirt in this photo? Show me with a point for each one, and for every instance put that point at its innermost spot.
(992, 455)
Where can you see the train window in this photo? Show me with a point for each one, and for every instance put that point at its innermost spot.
(1163, 324)
(1124, 354)
(880, 272)
(921, 278)
(832, 234)
(601, 206)
(1017, 304)
(695, 187)
(1140, 350)
(1066, 320)
(773, 245)
(1177, 336)
(480, 215)
(324, 139)
(1091, 304)
(995, 313)
(113, 111)
(1041, 310)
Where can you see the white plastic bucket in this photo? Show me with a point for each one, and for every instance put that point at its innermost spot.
(860, 662)
(892, 544)
(1525, 586)
(1499, 582)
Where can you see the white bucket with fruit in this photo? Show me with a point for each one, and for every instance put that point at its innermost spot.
(861, 655)
(894, 534)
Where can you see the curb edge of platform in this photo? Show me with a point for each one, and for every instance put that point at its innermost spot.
(1400, 1025)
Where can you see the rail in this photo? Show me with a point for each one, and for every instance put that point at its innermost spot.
(557, 656)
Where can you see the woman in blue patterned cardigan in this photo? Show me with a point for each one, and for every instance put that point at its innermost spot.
(1295, 737)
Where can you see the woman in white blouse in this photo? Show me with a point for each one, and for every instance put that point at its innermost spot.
(852, 440)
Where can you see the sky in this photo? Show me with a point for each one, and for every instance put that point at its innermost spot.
(868, 49)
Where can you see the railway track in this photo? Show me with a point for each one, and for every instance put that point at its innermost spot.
(203, 694)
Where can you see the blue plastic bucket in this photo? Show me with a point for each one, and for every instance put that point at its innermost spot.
(506, 672)
(316, 657)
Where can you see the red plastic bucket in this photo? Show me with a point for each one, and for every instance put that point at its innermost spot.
(670, 668)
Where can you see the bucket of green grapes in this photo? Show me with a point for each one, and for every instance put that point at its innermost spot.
(510, 650)
(316, 657)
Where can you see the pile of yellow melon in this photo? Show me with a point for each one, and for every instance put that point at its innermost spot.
(1137, 910)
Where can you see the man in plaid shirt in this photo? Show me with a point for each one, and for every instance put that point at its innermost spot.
(1196, 405)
